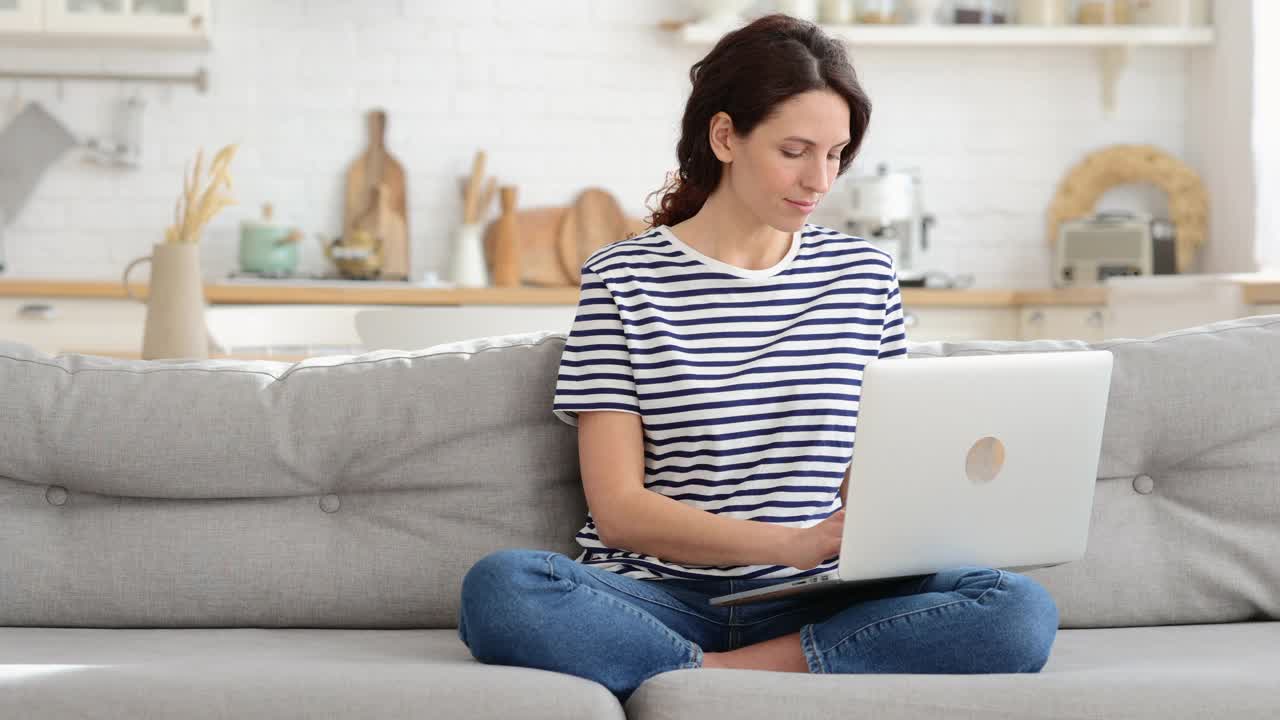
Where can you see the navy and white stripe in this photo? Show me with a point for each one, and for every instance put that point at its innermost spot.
(747, 381)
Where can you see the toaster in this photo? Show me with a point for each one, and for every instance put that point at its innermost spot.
(1092, 249)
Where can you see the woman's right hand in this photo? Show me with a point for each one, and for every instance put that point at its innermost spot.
(811, 546)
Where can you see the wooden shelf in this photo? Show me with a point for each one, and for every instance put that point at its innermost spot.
(1113, 43)
(992, 35)
(1261, 291)
(291, 294)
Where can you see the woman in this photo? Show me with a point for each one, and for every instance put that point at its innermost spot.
(713, 372)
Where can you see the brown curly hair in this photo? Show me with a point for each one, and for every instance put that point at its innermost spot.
(748, 73)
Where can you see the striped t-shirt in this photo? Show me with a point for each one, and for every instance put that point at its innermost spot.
(746, 381)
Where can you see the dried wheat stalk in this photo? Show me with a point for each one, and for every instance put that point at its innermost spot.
(199, 203)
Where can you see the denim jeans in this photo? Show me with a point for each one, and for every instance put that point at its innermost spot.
(541, 609)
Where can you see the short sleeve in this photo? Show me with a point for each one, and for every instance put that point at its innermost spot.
(595, 367)
(893, 332)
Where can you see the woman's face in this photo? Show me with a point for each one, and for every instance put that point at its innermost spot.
(788, 163)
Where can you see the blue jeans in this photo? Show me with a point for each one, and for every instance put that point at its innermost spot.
(541, 609)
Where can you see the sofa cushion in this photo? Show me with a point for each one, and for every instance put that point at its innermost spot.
(55, 673)
(1186, 513)
(1161, 673)
(341, 491)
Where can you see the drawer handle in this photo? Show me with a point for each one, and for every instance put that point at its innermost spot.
(39, 311)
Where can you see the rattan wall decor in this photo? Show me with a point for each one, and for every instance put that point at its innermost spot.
(1104, 169)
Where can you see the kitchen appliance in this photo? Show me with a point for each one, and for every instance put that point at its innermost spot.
(1113, 244)
(886, 209)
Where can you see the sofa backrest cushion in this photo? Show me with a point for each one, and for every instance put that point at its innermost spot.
(344, 491)
(1186, 512)
(356, 491)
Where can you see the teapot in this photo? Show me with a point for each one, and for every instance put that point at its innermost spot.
(358, 255)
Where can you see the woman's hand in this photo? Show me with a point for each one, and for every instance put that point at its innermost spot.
(812, 545)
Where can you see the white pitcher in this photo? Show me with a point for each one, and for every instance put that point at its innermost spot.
(467, 266)
(175, 325)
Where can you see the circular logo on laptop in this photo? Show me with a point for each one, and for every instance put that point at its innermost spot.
(985, 460)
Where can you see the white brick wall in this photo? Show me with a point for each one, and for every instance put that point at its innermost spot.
(1266, 100)
(563, 95)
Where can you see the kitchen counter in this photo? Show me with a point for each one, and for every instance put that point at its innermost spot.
(383, 293)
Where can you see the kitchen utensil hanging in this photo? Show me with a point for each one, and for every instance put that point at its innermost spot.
(32, 142)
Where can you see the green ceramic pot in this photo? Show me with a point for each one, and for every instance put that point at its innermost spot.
(267, 248)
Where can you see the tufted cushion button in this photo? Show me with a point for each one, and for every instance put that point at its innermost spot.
(329, 503)
(1143, 484)
(56, 495)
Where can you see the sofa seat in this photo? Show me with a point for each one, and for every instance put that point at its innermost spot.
(1164, 672)
(1186, 671)
(247, 673)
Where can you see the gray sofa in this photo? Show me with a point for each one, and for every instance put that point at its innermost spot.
(249, 539)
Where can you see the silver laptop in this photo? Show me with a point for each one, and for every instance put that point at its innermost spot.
(983, 461)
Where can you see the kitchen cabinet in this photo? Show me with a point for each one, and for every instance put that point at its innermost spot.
(924, 324)
(1049, 322)
(179, 24)
(55, 324)
(115, 327)
(21, 15)
(97, 317)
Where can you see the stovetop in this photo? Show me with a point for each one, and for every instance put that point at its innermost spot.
(429, 280)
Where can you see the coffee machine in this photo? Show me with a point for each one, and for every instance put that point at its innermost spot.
(886, 209)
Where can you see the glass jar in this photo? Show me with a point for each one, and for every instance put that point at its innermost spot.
(1044, 12)
(883, 12)
(979, 12)
(798, 9)
(837, 12)
(929, 12)
(1181, 13)
(1104, 12)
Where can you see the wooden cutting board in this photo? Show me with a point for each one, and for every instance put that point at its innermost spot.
(375, 166)
(594, 220)
(385, 224)
(537, 232)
